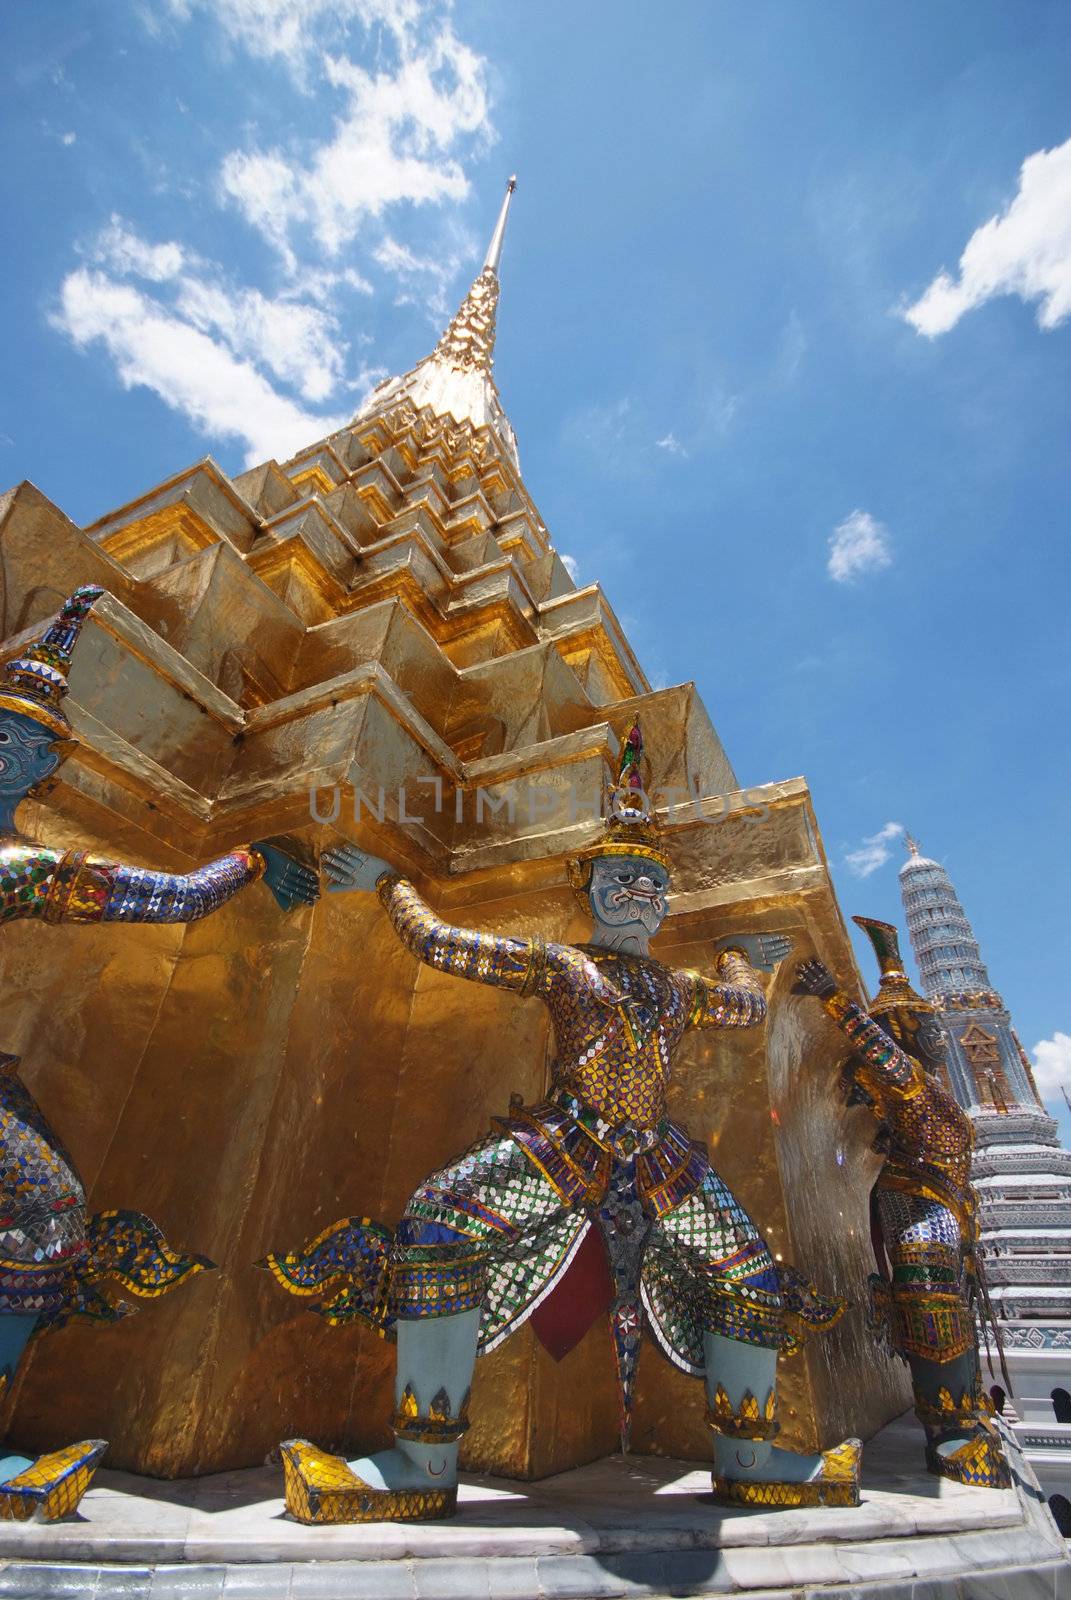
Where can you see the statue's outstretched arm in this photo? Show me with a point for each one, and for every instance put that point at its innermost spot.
(736, 999)
(72, 886)
(886, 1063)
(517, 964)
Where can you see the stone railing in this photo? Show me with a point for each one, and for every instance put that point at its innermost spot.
(1029, 1270)
(1019, 1125)
(1036, 1335)
(1039, 1214)
(1043, 1438)
(1030, 1303)
(1026, 1194)
(991, 1163)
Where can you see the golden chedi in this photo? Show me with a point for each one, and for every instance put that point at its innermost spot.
(376, 643)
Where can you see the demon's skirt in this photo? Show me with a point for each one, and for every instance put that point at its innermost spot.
(546, 1221)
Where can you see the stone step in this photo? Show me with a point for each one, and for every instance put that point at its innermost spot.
(623, 1527)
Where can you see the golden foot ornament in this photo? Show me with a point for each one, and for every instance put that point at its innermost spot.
(980, 1462)
(52, 1486)
(837, 1484)
(322, 1488)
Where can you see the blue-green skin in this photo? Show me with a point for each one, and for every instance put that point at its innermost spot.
(628, 898)
(28, 758)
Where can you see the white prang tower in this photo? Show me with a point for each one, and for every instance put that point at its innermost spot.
(1021, 1173)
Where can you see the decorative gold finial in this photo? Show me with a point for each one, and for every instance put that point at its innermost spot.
(912, 845)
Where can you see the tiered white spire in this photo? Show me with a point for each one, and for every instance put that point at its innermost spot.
(945, 948)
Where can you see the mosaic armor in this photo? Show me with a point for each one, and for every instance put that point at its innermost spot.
(53, 1257)
(70, 886)
(591, 1200)
(50, 1252)
(930, 1285)
(500, 1227)
(926, 1207)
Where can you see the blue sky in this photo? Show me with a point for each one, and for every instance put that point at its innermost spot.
(812, 473)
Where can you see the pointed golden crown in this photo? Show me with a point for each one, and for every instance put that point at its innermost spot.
(631, 829)
(35, 684)
(894, 991)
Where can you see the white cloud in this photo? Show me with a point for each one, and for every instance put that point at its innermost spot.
(397, 257)
(68, 138)
(570, 564)
(151, 345)
(125, 253)
(241, 362)
(299, 343)
(433, 274)
(603, 426)
(874, 850)
(1052, 1065)
(322, 285)
(400, 139)
(671, 444)
(858, 545)
(719, 410)
(1025, 251)
(295, 30)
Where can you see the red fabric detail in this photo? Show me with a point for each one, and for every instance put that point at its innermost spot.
(581, 1295)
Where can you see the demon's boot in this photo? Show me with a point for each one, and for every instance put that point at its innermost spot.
(749, 1469)
(416, 1481)
(962, 1442)
(48, 1486)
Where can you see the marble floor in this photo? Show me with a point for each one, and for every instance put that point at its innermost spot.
(619, 1527)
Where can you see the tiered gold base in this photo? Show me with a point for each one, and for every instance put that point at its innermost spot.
(321, 1488)
(52, 1486)
(837, 1484)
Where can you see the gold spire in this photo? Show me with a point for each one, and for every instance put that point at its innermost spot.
(912, 845)
(468, 345)
(457, 379)
(494, 249)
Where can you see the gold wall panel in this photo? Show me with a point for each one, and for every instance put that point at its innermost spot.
(251, 1078)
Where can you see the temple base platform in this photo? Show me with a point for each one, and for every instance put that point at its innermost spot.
(625, 1528)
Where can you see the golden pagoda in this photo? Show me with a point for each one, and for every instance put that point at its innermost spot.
(376, 640)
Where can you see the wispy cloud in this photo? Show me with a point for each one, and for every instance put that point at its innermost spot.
(294, 31)
(1025, 251)
(571, 566)
(124, 252)
(874, 851)
(1052, 1065)
(208, 348)
(423, 280)
(602, 427)
(401, 139)
(858, 545)
(791, 351)
(671, 444)
(407, 107)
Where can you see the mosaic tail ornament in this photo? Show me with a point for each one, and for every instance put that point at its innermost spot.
(805, 1310)
(342, 1274)
(127, 1248)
